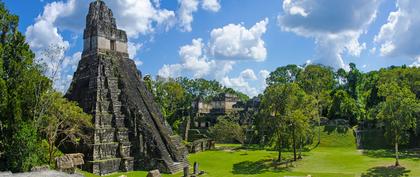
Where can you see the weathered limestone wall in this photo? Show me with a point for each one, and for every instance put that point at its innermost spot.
(103, 43)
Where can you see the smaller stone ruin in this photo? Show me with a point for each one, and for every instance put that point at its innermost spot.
(69, 162)
(154, 173)
(201, 145)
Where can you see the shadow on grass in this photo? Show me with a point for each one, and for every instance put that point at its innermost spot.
(391, 171)
(256, 167)
(386, 153)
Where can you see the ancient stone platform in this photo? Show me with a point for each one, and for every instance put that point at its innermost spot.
(129, 130)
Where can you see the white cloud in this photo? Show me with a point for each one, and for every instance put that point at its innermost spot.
(211, 5)
(187, 7)
(137, 17)
(248, 74)
(294, 9)
(133, 49)
(201, 60)
(335, 25)
(399, 36)
(140, 16)
(416, 63)
(196, 63)
(235, 41)
(263, 74)
(43, 33)
(239, 84)
(244, 84)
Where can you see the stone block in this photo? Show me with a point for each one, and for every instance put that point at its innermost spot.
(104, 151)
(122, 135)
(127, 164)
(124, 149)
(103, 167)
(154, 173)
(104, 135)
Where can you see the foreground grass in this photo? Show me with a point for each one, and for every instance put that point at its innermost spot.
(336, 156)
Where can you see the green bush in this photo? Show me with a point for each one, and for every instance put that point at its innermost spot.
(24, 150)
(225, 131)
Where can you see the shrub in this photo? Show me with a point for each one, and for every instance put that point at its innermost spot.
(225, 131)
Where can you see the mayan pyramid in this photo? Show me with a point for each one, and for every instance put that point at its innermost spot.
(129, 130)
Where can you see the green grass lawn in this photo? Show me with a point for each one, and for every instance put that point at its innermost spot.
(336, 156)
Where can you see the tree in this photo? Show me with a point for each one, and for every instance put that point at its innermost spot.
(173, 99)
(226, 131)
(63, 122)
(20, 80)
(284, 74)
(354, 79)
(287, 111)
(398, 111)
(318, 81)
(343, 106)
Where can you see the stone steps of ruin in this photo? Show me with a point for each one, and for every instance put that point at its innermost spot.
(176, 167)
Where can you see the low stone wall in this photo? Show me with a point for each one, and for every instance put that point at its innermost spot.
(201, 145)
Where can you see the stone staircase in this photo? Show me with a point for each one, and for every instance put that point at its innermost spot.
(176, 167)
(111, 148)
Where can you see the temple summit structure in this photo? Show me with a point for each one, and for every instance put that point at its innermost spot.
(129, 132)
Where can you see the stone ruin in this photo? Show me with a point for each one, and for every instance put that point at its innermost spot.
(69, 162)
(129, 130)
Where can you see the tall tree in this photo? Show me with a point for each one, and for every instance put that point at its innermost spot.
(318, 81)
(343, 106)
(398, 111)
(287, 111)
(20, 81)
(284, 74)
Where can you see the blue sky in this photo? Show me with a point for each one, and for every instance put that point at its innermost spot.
(235, 42)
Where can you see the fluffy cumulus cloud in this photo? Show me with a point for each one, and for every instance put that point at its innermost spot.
(44, 33)
(416, 63)
(185, 13)
(188, 7)
(235, 41)
(399, 36)
(194, 62)
(211, 61)
(211, 5)
(138, 17)
(247, 82)
(133, 49)
(335, 25)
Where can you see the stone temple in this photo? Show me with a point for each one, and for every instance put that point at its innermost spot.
(129, 130)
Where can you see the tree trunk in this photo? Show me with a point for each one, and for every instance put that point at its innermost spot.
(300, 149)
(294, 145)
(319, 119)
(50, 149)
(279, 157)
(397, 163)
